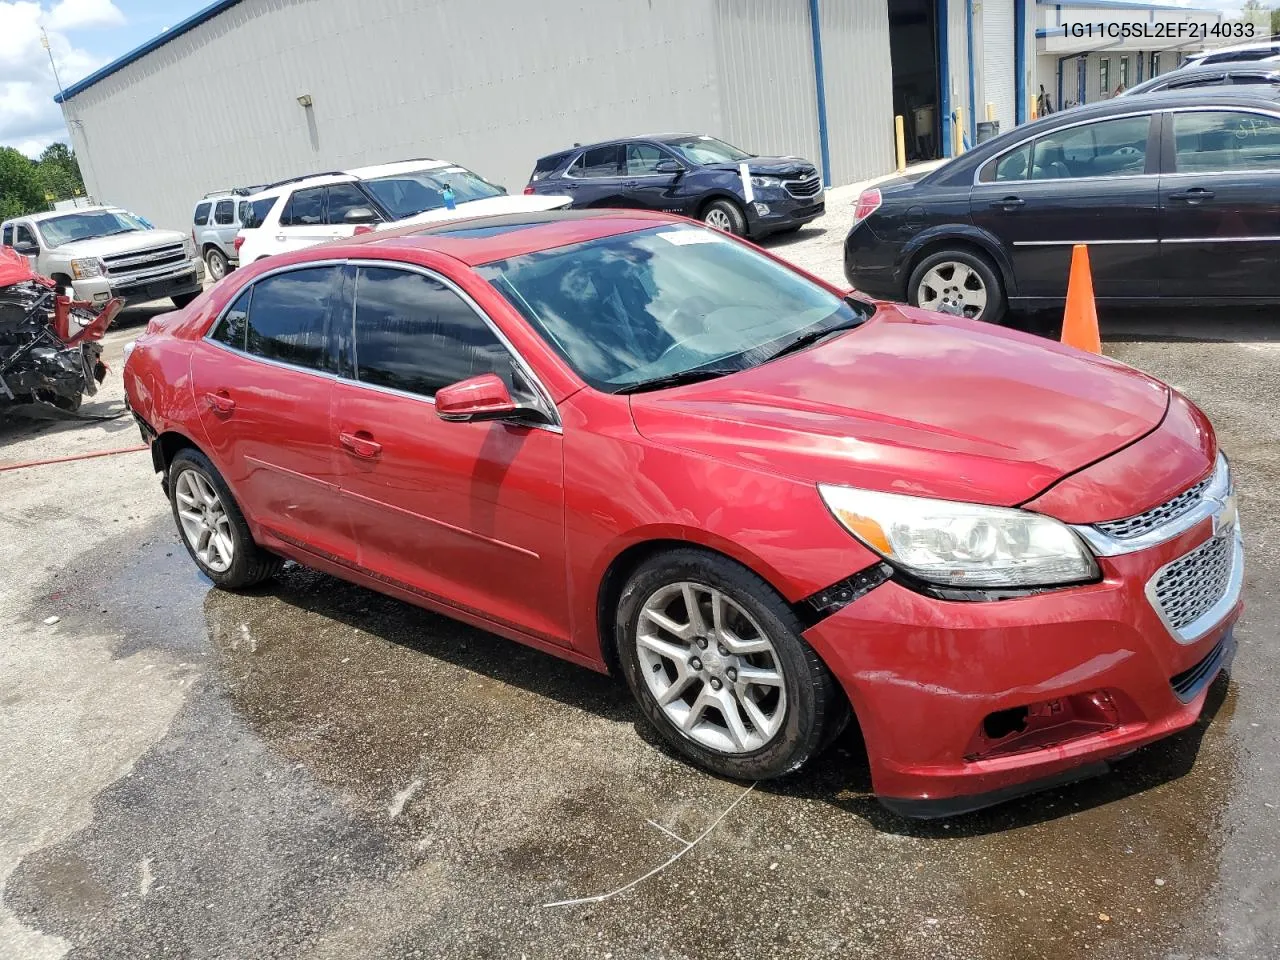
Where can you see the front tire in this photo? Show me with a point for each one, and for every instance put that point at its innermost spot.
(716, 661)
(726, 216)
(959, 282)
(212, 527)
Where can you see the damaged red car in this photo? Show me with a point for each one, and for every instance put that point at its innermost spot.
(772, 506)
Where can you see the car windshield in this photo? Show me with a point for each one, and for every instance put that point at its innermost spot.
(84, 226)
(408, 194)
(669, 302)
(700, 150)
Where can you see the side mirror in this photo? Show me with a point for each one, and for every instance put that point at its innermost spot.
(26, 249)
(360, 215)
(484, 397)
(668, 166)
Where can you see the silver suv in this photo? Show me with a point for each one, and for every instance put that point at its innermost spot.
(215, 223)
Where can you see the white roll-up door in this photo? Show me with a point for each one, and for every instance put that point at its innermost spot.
(999, 84)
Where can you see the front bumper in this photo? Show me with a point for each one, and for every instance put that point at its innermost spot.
(141, 287)
(924, 674)
(781, 210)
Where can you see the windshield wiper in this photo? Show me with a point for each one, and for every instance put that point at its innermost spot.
(811, 337)
(678, 379)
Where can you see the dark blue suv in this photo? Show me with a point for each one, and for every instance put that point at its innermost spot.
(699, 177)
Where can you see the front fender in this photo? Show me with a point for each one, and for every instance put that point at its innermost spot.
(966, 233)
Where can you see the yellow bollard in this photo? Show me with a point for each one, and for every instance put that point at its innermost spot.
(991, 111)
(900, 142)
(957, 132)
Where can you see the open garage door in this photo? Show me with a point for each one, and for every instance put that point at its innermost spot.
(913, 48)
(999, 61)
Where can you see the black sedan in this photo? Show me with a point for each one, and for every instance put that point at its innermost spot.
(1254, 74)
(1177, 195)
(689, 174)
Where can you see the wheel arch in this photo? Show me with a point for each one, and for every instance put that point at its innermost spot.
(721, 193)
(167, 445)
(957, 236)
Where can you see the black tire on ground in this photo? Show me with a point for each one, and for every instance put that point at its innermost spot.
(181, 300)
(216, 263)
(250, 563)
(983, 269)
(727, 216)
(816, 710)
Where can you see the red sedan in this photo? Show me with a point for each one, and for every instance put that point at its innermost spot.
(654, 450)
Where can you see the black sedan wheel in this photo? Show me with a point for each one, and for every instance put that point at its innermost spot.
(958, 282)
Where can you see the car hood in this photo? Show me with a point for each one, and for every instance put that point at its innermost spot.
(123, 243)
(513, 203)
(916, 403)
(773, 166)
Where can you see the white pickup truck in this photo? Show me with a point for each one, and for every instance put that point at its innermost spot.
(106, 252)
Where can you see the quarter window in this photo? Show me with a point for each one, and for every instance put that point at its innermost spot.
(224, 213)
(1109, 148)
(305, 208)
(231, 328)
(286, 319)
(415, 334)
(1225, 141)
(202, 214)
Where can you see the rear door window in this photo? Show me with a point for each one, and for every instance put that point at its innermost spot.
(1014, 165)
(305, 208)
(287, 317)
(224, 213)
(202, 214)
(1108, 148)
(598, 162)
(415, 334)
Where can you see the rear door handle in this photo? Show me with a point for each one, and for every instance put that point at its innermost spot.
(281, 237)
(361, 444)
(1008, 203)
(1193, 196)
(220, 403)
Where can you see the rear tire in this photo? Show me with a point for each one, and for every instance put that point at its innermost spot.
(689, 672)
(217, 264)
(212, 527)
(727, 216)
(960, 282)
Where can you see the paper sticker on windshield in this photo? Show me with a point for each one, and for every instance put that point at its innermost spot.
(682, 238)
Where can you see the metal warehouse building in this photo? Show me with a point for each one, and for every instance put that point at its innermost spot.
(249, 91)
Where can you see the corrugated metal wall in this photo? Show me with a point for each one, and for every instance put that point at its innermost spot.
(491, 84)
(999, 73)
(855, 53)
(764, 51)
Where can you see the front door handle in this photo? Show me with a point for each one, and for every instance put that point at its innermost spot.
(220, 403)
(281, 237)
(1193, 196)
(1008, 204)
(361, 444)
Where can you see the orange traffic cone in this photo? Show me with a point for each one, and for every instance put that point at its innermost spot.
(1080, 322)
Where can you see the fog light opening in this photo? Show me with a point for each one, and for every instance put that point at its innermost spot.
(1002, 723)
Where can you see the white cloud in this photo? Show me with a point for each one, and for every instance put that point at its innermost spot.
(78, 14)
(29, 119)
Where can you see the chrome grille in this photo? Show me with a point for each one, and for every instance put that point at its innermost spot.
(138, 261)
(805, 187)
(1168, 511)
(1189, 587)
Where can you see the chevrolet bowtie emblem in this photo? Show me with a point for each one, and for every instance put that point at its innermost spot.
(1225, 519)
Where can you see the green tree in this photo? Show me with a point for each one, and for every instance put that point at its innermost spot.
(20, 185)
(59, 172)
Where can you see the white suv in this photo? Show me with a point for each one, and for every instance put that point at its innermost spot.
(328, 206)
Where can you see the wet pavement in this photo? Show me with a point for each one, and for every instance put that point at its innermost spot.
(312, 770)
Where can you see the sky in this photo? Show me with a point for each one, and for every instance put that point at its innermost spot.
(84, 35)
(87, 34)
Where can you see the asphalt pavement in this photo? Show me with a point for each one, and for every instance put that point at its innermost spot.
(311, 770)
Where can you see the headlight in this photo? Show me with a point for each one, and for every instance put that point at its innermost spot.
(963, 545)
(190, 246)
(766, 182)
(84, 269)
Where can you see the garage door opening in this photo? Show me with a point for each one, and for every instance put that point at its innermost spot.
(913, 51)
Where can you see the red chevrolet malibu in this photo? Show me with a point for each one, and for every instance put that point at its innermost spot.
(655, 450)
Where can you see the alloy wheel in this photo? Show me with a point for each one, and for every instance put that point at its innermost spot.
(713, 671)
(718, 220)
(217, 265)
(953, 287)
(204, 521)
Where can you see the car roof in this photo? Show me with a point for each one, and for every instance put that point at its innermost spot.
(480, 240)
(50, 214)
(1234, 68)
(400, 166)
(659, 137)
